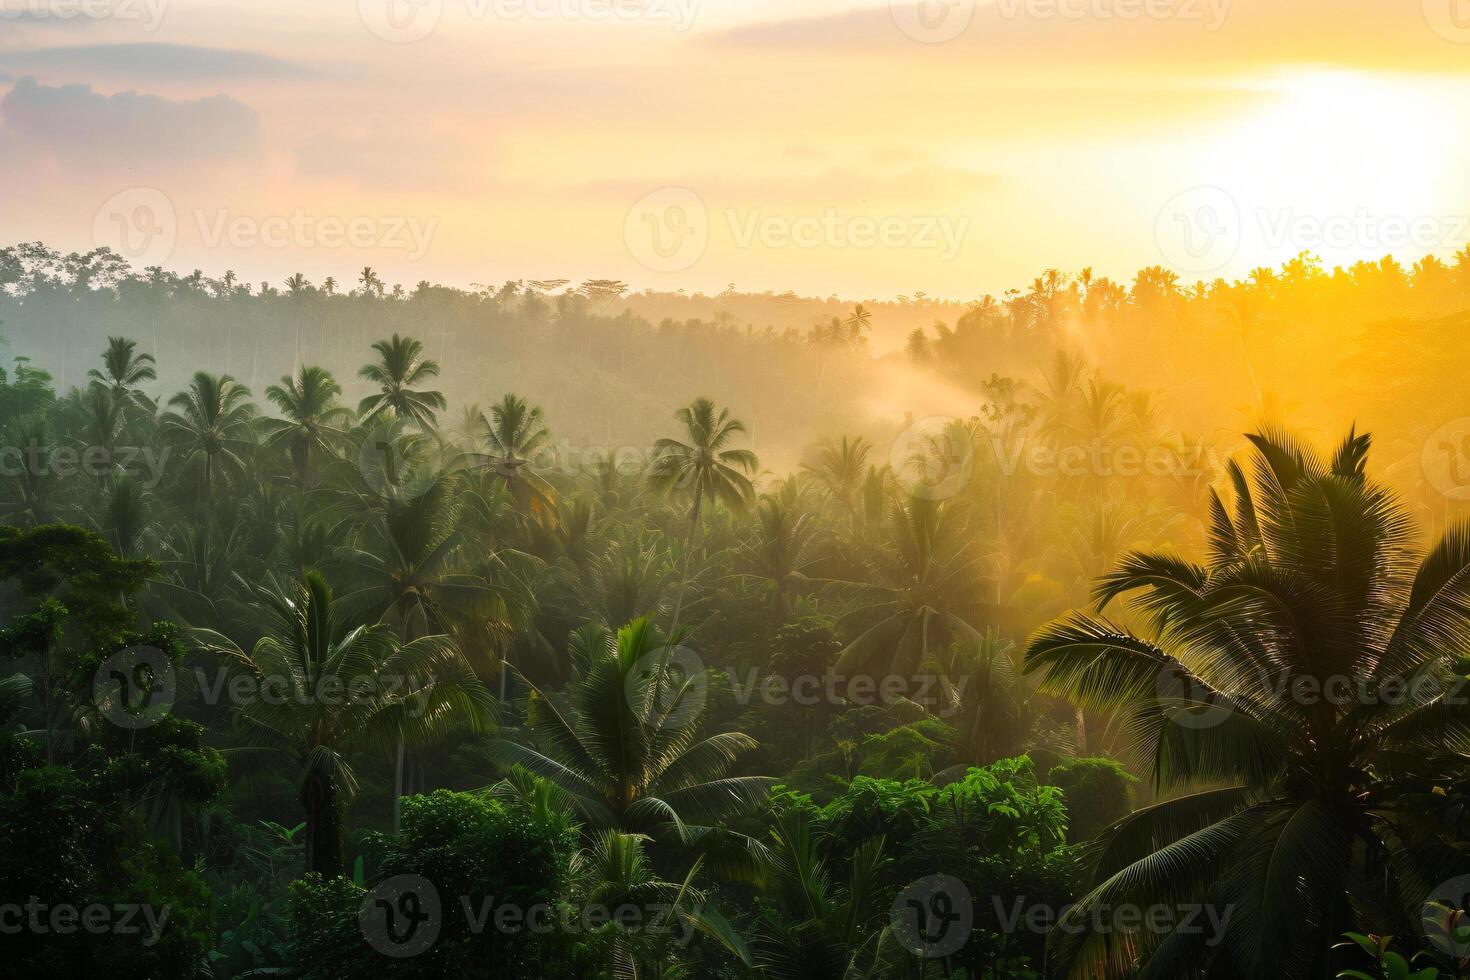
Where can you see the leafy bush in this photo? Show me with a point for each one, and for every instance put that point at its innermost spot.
(1099, 793)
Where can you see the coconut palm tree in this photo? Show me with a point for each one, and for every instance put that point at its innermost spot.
(212, 425)
(1290, 681)
(124, 371)
(839, 466)
(923, 592)
(815, 926)
(782, 548)
(311, 419)
(514, 433)
(705, 467)
(400, 369)
(625, 742)
(347, 690)
(616, 872)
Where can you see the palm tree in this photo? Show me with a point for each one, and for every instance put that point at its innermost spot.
(401, 367)
(124, 371)
(624, 742)
(348, 691)
(924, 592)
(820, 929)
(858, 323)
(704, 467)
(309, 416)
(840, 468)
(615, 872)
(782, 549)
(212, 424)
(1296, 821)
(514, 433)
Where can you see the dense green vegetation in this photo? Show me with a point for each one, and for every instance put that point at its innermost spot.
(344, 676)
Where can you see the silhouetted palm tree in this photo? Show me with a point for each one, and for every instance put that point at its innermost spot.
(212, 425)
(310, 417)
(1294, 825)
(124, 371)
(624, 741)
(349, 690)
(400, 369)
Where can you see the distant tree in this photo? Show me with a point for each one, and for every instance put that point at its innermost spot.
(401, 368)
(311, 418)
(212, 425)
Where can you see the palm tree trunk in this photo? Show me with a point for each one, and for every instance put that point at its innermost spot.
(688, 556)
(323, 826)
(397, 786)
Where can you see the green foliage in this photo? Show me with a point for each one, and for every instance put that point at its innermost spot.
(68, 843)
(1099, 793)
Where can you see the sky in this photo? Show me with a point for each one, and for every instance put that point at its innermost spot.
(948, 147)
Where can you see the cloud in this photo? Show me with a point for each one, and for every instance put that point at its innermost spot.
(926, 184)
(406, 157)
(154, 61)
(1184, 34)
(77, 125)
